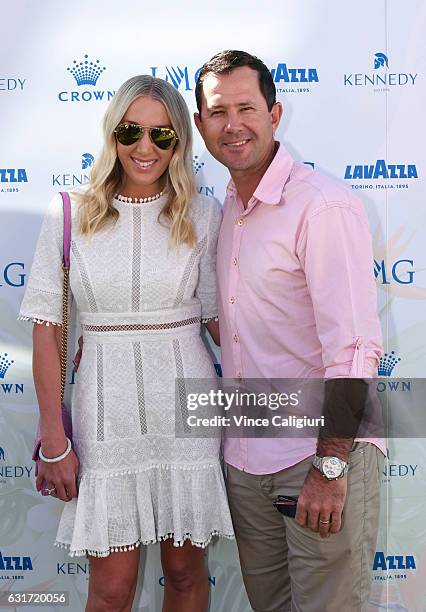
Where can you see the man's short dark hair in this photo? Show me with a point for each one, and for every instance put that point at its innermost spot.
(225, 62)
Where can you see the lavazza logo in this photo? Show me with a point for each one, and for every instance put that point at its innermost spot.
(13, 563)
(381, 175)
(381, 78)
(287, 78)
(392, 567)
(12, 179)
(8, 388)
(86, 74)
(75, 179)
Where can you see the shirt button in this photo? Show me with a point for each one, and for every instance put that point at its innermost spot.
(239, 375)
(234, 261)
(232, 299)
(240, 222)
(235, 337)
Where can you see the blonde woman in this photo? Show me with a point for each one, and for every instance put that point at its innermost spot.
(143, 279)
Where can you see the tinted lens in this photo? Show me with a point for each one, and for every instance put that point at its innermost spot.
(128, 133)
(163, 138)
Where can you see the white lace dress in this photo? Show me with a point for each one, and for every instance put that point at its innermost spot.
(139, 304)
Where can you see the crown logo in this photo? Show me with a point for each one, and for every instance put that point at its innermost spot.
(85, 72)
(380, 59)
(5, 362)
(87, 160)
(388, 363)
(197, 165)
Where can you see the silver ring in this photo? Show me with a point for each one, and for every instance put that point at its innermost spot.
(50, 491)
(324, 522)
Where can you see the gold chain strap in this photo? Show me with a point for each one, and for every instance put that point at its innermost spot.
(64, 334)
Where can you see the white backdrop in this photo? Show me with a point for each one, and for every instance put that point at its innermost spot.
(351, 76)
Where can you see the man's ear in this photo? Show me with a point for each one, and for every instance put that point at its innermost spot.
(198, 123)
(276, 114)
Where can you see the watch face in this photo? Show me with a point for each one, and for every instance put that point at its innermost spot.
(332, 467)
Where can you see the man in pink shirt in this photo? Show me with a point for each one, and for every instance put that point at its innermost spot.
(297, 299)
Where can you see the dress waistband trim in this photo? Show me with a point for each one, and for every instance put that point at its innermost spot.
(141, 326)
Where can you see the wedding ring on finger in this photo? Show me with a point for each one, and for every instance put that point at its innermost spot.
(325, 522)
(50, 491)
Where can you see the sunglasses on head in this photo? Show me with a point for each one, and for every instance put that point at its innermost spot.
(129, 133)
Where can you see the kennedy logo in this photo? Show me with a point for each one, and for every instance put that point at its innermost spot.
(400, 271)
(392, 469)
(15, 563)
(74, 179)
(12, 471)
(87, 160)
(73, 569)
(86, 72)
(381, 78)
(380, 59)
(12, 84)
(8, 388)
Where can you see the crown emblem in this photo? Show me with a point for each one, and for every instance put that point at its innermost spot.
(197, 165)
(85, 72)
(380, 59)
(5, 362)
(388, 363)
(87, 160)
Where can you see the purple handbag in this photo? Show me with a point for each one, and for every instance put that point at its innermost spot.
(66, 418)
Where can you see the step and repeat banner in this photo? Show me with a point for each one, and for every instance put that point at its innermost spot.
(351, 77)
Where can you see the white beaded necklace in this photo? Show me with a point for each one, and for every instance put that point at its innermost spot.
(122, 198)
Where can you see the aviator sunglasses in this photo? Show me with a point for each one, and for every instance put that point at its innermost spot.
(129, 133)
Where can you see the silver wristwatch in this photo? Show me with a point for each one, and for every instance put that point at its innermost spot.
(331, 468)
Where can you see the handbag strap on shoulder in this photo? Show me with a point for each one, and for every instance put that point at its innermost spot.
(65, 287)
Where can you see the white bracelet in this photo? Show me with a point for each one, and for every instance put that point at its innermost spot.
(55, 459)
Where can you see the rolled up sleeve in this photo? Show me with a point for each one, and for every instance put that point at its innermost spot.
(338, 264)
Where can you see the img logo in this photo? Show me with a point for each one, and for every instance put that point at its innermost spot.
(86, 72)
(11, 179)
(180, 78)
(381, 78)
(8, 388)
(400, 272)
(13, 274)
(74, 179)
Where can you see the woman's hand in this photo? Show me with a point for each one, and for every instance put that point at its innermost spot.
(78, 354)
(61, 476)
(213, 328)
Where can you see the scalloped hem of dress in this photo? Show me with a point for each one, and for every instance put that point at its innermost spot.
(38, 321)
(139, 542)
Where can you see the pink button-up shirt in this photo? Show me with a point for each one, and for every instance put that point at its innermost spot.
(296, 293)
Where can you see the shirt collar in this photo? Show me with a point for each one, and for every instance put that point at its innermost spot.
(271, 186)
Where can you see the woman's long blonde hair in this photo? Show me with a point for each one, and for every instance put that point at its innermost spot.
(96, 208)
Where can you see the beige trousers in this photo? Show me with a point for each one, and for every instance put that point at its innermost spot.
(291, 568)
